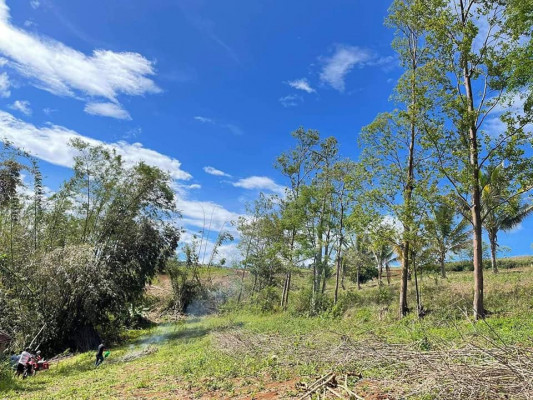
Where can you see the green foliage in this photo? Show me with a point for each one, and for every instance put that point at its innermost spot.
(367, 272)
(79, 264)
(267, 300)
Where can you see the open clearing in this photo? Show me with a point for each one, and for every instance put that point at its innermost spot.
(252, 355)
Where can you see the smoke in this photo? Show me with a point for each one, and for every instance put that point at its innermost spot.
(212, 298)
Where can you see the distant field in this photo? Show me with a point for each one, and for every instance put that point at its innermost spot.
(245, 354)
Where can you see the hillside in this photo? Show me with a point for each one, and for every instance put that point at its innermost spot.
(252, 355)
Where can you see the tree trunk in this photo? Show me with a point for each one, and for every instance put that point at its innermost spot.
(387, 270)
(255, 284)
(343, 275)
(286, 289)
(337, 281)
(418, 301)
(405, 271)
(493, 239)
(283, 293)
(479, 311)
(242, 285)
(442, 266)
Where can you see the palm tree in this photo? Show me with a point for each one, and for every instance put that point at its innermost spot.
(384, 255)
(380, 239)
(498, 212)
(446, 234)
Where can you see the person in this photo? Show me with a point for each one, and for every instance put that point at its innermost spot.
(100, 354)
(24, 362)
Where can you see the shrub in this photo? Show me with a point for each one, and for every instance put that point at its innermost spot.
(268, 299)
(344, 302)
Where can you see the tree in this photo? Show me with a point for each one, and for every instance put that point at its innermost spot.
(380, 239)
(500, 211)
(447, 234)
(82, 262)
(472, 45)
(393, 140)
(346, 185)
(296, 166)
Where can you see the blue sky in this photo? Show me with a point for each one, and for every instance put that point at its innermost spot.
(192, 84)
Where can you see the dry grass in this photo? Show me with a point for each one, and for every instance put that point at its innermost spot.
(482, 370)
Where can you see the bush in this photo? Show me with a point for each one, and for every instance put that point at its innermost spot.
(367, 272)
(6, 374)
(385, 296)
(503, 263)
(344, 302)
(268, 299)
(301, 303)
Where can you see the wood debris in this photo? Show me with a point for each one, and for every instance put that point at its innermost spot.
(327, 386)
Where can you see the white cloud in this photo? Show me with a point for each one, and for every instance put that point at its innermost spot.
(51, 143)
(21, 105)
(194, 186)
(228, 251)
(259, 183)
(236, 130)
(341, 63)
(301, 84)
(48, 110)
(291, 100)
(205, 214)
(62, 70)
(112, 110)
(204, 119)
(4, 85)
(35, 4)
(493, 125)
(216, 172)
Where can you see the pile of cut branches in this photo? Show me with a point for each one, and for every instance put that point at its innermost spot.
(328, 386)
(485, 368)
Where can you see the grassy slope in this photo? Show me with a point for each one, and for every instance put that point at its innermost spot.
(241, 353)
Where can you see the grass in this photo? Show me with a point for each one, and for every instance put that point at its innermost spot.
(242, 353)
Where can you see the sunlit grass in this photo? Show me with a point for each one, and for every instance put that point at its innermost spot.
(186, 359)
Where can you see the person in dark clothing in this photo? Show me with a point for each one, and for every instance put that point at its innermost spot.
(100, 355)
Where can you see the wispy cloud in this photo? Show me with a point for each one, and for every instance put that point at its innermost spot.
(112, 110)
(35, 4)
(51, 144)
(204, 120)
(510, 103)
(62, 70)
(216, 172)
(301, 84)
(291, 100)
(48, 110)
(192, 12)
(235, 129)
(340, 63)
(260, 183)
(4, 85)
(21, 105)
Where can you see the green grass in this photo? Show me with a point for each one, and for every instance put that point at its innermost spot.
(242, 352)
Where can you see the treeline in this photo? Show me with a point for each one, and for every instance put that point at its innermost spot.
(76, 261)
(452, 160)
